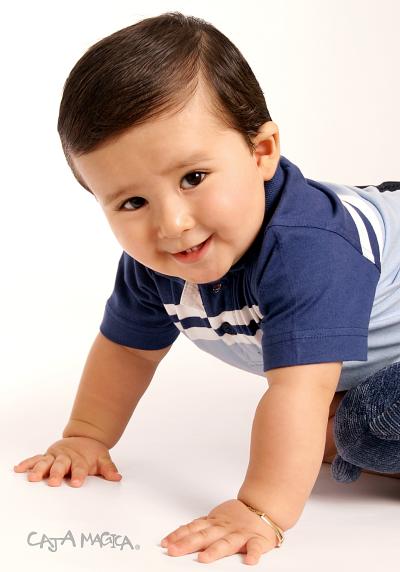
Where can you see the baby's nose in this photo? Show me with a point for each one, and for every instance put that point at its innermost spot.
(174, 219)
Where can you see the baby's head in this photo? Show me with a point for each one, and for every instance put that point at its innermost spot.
(147, 108)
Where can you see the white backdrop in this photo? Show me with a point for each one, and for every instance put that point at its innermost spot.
(329, 71)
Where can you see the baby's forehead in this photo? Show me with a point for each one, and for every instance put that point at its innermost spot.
(177, 138)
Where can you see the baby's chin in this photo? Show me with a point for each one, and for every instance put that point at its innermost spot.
(204, 277)
(202, 272)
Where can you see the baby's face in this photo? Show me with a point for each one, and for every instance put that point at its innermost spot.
(166, 207)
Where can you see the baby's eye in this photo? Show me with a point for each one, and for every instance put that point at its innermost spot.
(136, 201)
(189, 175)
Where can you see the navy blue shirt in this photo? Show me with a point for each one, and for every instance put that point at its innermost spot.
(302, 293)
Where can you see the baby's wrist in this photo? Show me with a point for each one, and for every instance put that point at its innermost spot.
(76, 428)
(279, 512)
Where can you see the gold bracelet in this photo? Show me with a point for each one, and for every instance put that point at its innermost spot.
(265, 518)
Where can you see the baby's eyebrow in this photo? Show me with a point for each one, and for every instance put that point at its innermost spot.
(195, 158)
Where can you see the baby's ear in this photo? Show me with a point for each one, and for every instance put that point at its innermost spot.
(267, 149)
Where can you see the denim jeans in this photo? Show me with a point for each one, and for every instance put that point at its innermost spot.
(367, 426)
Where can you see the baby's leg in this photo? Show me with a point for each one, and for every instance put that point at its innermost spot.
(330, 446)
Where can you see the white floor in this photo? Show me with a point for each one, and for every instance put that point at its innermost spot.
(183, 452)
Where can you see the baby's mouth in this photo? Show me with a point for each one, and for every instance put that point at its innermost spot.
(193, 248)
(194, 253)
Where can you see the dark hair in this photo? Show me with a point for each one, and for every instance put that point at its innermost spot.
(149, 69)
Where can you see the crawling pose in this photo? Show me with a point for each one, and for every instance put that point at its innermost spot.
(225, 241)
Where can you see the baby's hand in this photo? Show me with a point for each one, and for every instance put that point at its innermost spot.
(228, 529)
(78, 456)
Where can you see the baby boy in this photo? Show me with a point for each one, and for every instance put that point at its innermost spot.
(271, 272)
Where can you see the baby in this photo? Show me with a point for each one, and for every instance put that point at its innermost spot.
(288, 278)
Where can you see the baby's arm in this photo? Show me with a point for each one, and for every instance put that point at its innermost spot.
(288, 440)
(113, 381)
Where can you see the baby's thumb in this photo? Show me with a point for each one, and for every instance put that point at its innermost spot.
(108, 469)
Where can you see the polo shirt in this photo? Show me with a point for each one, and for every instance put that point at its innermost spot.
(320, 283)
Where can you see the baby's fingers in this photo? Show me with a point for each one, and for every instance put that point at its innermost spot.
(27, 464)
(60, 467)
(37, 466)
(108, 469)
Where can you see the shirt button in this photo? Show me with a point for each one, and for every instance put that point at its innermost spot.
(216, 288)
(227, 328)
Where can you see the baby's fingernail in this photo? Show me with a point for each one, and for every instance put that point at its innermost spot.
(164, 542)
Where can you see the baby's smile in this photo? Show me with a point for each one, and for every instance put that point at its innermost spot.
(194, 254)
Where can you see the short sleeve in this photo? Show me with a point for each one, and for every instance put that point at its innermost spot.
(134, 315)
(316, 292)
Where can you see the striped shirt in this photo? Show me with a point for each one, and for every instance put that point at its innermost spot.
(320, 283)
